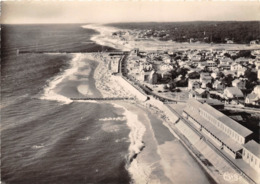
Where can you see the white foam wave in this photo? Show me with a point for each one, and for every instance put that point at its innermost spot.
(38, 146)
(86, 138)
(140, 173)
(113, 119)
(49, 92)
(105, 36)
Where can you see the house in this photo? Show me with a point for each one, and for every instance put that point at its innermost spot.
(218, 85)
(233, 93)
(239, 83)
(142, 76)
(193, 84)
(198, 93)
(224, 66)
(166, 59)
(230, 42)
(211, 65)
(202, 64)
(254, 97)
(253, 42)
(225, 60)
(205, 78)
(165, 67)
(235, 67)
(257, 90)
(229, 72)
(241, 72)
(195, 58)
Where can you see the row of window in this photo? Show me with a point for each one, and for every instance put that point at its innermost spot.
(194, 121)
(250, 157)
(219, 124)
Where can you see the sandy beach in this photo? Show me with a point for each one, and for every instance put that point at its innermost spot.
(155, 154)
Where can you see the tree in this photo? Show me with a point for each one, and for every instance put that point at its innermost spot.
(220, 75)
(227, 55)
(194, 75)
(209, 85)
(251, 76)
(227, 80)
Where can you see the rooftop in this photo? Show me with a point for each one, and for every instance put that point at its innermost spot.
(215, 131)
(241, 130)
(253, 147)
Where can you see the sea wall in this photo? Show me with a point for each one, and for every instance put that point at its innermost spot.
(126, 85)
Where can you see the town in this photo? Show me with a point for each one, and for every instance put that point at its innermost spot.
(215, 95)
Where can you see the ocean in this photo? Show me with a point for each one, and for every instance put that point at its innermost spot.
(47, 138)
(49, 141)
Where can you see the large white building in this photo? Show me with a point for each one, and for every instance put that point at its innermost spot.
(251, 154)
(222, 130)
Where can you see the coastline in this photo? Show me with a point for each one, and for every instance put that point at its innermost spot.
(155, 154)
(152, 154)
(105, 38)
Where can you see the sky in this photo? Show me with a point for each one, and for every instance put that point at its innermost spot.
(19, 12)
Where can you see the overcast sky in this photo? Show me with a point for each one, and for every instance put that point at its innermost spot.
(102, 12)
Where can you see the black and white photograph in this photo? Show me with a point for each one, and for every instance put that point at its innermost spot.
(130, 92)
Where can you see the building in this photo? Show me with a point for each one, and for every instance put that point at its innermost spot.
(254, 97)
(136, 51)
(230, 42)
(205, 78)
(198, 93)
(211, 65)
(233, 93)
(218, 85)
(241, 72)
(236, 66)
(114, 64)
(239, 83)
(193, 84)
(251, 154)
(223, 131)
(153, 77)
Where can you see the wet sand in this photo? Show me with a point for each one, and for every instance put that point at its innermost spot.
(164, 159)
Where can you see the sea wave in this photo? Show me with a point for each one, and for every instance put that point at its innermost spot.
(49, 92)
(113, 119)
(139, 173)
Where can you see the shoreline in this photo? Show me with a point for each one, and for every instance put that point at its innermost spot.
(105, 38)
(145, 170)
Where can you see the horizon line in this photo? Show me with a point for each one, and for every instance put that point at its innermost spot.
(129, 22)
